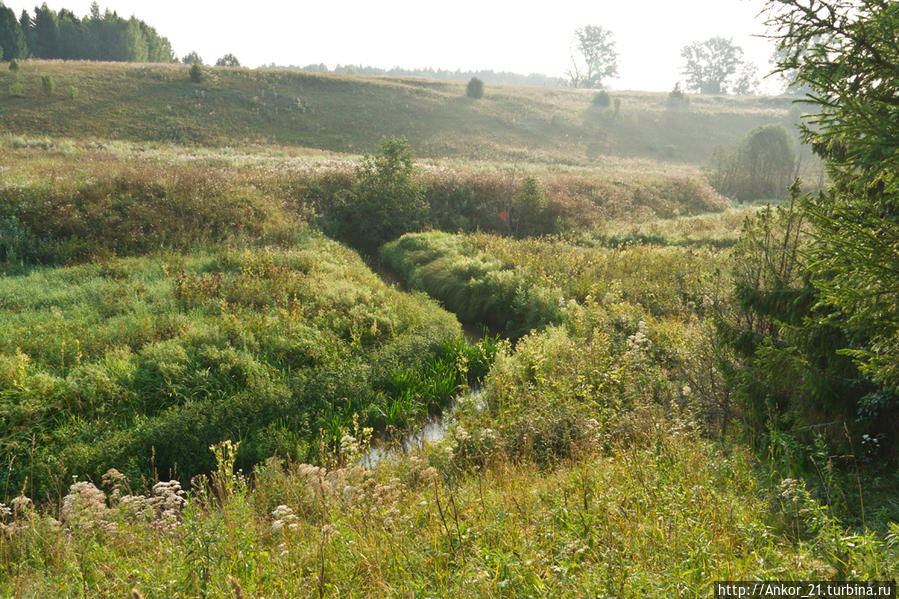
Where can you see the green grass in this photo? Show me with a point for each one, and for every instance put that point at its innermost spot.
(141, 363)
(659, 513)
(351, 113)
(165, 287)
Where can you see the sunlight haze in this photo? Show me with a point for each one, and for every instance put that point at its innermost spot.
(501, 36)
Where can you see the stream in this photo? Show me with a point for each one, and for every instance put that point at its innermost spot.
(383, 447)
(433, 430)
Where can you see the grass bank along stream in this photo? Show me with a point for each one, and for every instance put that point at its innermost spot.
(142, 363)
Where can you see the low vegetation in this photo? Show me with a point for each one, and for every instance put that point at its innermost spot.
(351, 113)
(141, 363)
(70, 201)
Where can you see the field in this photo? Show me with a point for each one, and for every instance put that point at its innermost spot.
(236, 106)
(207, 324)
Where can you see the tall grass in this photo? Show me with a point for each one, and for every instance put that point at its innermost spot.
(656, 513)
(69, 202)
(140, 363)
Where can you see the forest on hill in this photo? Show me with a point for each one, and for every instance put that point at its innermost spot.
(48, 34)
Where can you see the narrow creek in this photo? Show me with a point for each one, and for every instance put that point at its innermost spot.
(384, 447)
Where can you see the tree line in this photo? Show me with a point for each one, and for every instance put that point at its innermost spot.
(488, 76)
(49, 34)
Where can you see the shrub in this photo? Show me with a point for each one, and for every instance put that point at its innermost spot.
(386, 200)
(475, 88)
(677, 98)
(529, 209)
(15, 90)
(48, 85)
(73, 92)
(14, 65)
(761, 167)
(196, 73)
(602, 99)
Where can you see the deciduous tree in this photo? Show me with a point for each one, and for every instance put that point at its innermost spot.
(594, 58)
(710, 65)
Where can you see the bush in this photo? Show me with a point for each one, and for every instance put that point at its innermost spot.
(73, 92)
(475, 88)
(677, 98)
(602, 99)
(14, 65)
(761, 167)
(196, 73)
(48, 85)
(529, 210)
(385, 201)
(15, 90)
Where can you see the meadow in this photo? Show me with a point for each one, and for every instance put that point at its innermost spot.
(347, 113)
(207, 322)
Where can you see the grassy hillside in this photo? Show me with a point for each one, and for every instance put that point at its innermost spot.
(350, 113)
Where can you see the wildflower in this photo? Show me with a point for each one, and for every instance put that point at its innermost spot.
(462, 435)
(328, 531)
(21, 504)
(84, 505)
(284, 516)
(348, 445)
(113, 478)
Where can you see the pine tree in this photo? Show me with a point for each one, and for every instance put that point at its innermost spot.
(12, 39)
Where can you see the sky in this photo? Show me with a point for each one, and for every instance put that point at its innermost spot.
(501, 35)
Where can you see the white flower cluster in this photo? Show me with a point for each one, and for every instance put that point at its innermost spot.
(284, 518)
(86, 507)
(639, 342)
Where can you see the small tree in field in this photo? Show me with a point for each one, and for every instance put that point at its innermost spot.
(14, 65)
(602, 99)
(196, 73)
(475, 88)
(48, 85)
(386, 200)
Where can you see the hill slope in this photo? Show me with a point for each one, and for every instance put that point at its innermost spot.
(350, 113)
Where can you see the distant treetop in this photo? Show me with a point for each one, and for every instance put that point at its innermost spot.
(228, 60)
(595, 59)
(192, 58)
(716, 66)
(106, 36)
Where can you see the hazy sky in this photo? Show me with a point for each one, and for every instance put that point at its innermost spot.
(501, 35)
